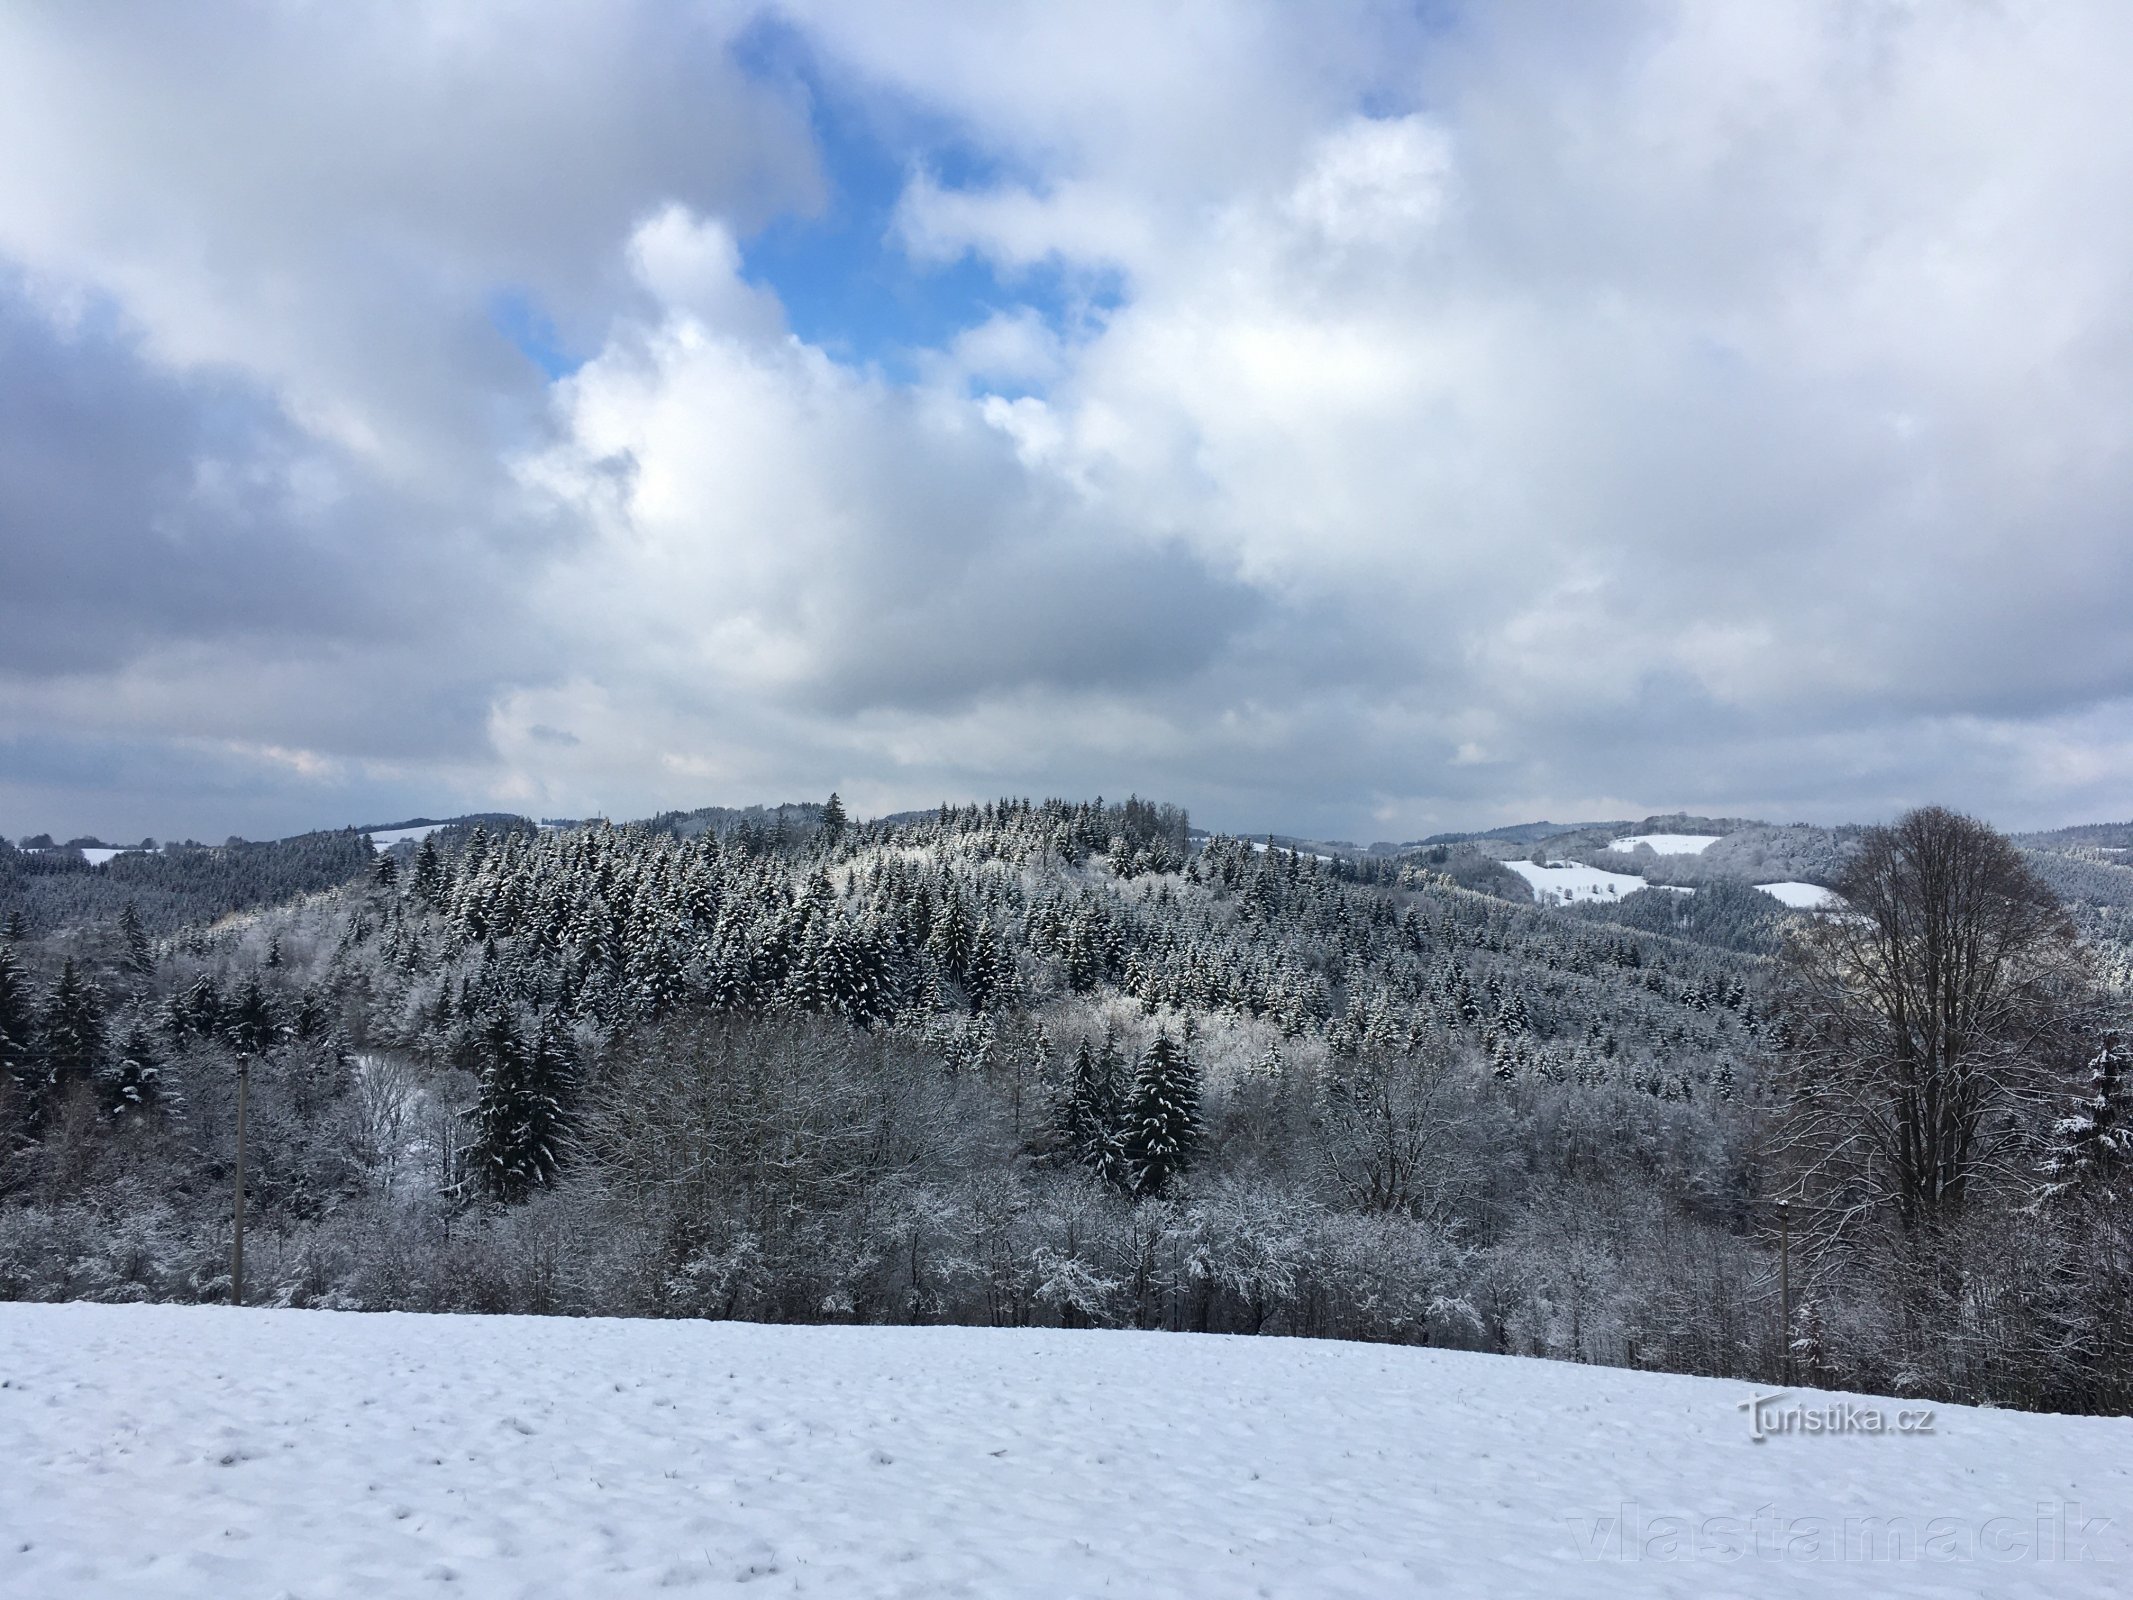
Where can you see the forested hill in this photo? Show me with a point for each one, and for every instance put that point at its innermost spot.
(178, 885)
(1022, 1062)
(980, 914)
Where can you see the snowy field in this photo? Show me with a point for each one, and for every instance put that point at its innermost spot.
(1800, 896)
(1565, 882)
(384, 839)
(1670, 844)
(185, 1451)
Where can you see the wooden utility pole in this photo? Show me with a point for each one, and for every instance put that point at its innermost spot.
(1785, 1290)
(244, 1080)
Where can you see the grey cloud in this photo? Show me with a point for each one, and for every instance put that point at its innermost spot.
(1661, 406)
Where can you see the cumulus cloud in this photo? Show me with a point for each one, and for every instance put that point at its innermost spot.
(1373, 424)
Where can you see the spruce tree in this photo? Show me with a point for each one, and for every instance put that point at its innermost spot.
(990, 977)
(1162, 1123)
(137, 1082)
(2093, 1143)
(545, 1101)
(521, 1118)
(833, 819)
(494, 1155)
(1084, 1120)
(138, 955)
(430, 879)
(248, 1024)
(73, 1032)
(20, 1075)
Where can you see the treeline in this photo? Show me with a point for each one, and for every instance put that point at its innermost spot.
(1021, 1062)
(178, 886)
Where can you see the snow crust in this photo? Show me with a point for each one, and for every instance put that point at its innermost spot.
(1566, 883)
(1800, 896)
(1670, 844)
(197, 1451)
(97, 856)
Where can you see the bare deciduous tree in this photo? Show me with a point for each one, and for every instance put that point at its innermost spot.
(1933, 1011)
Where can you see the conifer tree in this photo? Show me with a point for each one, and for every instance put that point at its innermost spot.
(19, 1070)
(429, 877)
(494, 1155)
(137, 1081)
(248, 1023)
(1162, 1122)
(138, 955)
(73, 1032)
(2093, 1143)
(521, 1116)
(833, 819)
(1081, 1117)
(990, 978)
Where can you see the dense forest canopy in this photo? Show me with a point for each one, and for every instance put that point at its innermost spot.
(1020, 1062)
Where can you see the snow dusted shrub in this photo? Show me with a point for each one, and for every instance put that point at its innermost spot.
(87, 1252)
(1250, 1246)
(1389, 1278)
(1075, 1291)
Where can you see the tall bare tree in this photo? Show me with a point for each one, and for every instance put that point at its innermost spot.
(1933, 1014)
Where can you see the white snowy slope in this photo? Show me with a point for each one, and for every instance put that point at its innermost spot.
(1566, 882)
(385, 839)
(1800, 896)
(1670, 844)
(185, 1451)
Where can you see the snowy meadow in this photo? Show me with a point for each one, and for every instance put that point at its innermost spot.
(202, 1452)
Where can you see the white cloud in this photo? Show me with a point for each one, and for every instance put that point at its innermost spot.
(1524, 412)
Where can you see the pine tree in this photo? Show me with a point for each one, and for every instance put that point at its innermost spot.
(385, 872)
(20, 1072)
(1080, 1125)
(430, 882)
(249, 1024)
(546, 1099)
(198, 1011)
(139, 956)
(521, 1116)
(73, 1032)
(990, 978)
(1162, 1122)
(137, 1084)
(833, 820)
(2093, 1143)
(493, 1155)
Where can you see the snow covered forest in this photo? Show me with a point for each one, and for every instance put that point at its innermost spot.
(1070, 1065)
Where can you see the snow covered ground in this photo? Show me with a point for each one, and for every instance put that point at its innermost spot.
(1565, 882)
(384, 839)
(1670, 844)
(186, 1451)
(1800, 896)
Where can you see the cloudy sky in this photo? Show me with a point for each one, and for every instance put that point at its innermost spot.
(1360, 420)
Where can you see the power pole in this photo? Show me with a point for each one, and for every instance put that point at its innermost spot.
(1785, 1290)
(244, 1081)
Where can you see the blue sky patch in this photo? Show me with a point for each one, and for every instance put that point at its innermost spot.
(519, 318)
(845, 281)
